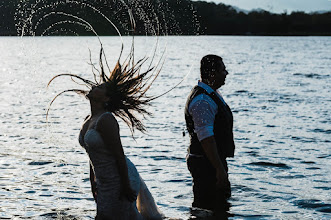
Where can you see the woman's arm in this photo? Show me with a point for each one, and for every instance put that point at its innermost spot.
(93, 183)
(109, 131)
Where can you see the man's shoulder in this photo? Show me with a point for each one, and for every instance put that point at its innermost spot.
(202, 100)
(198, 91)
(201, 96)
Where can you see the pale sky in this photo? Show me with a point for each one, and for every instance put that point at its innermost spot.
(279, 6)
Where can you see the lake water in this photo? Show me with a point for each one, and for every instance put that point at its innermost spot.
(278, 88)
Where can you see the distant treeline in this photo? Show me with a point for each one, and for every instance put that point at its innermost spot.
(172, 17)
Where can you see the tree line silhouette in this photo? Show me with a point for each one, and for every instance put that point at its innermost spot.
(162, 17)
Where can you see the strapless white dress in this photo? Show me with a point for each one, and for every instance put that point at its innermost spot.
(109, 203)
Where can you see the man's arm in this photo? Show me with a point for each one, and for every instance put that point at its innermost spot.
(203, 114)
(210, 148)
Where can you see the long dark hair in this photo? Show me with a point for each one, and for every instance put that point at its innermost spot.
(126, 87)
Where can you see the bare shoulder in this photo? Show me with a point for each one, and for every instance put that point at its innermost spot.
(108, 128)
(108, 122)
(85, 124)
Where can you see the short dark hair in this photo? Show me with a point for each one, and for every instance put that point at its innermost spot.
(209, 64)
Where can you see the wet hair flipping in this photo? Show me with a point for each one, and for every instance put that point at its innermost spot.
(126, 88)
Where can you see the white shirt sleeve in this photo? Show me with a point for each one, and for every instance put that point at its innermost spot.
(203, 110)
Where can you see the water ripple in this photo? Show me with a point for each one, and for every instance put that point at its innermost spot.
(281, 110)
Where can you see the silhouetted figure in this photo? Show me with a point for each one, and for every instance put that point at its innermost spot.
(209, 122)
(118, 189)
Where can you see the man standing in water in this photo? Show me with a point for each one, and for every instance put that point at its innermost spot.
(209, 122)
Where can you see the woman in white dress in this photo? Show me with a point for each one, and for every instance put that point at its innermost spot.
(118, 189)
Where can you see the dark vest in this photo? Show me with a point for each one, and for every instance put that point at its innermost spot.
(223, 126)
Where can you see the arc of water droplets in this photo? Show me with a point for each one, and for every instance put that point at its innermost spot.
(96, 34)
(157, 39)
(74, 22)
(104, 16)
(162, 58)
(95, 9)
(156, 33)
(61, 22)
(86, 24)
(84, 21)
